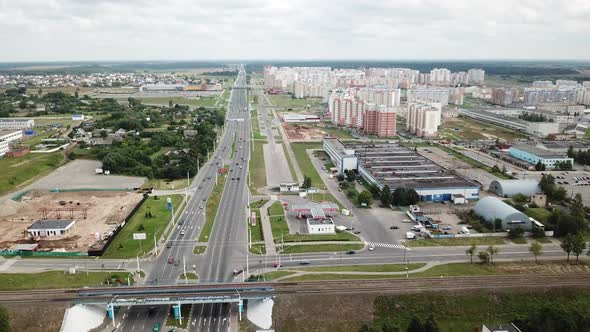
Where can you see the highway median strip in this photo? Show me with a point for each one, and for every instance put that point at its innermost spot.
(212, 207)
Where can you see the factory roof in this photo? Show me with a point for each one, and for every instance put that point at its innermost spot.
(539, 152)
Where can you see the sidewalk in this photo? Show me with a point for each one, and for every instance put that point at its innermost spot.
(267, 229)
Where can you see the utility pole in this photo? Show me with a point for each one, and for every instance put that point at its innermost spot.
(138, 270)
(184, 268)
(155, 244)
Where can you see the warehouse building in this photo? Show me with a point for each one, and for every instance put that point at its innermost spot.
(43, 228)
(533, 154)
(491, 208)
(3, 148)
(16, 123)
(399, 167)
(342, 157)
(509, 188)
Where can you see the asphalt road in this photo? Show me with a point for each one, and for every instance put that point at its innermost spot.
(229, 228)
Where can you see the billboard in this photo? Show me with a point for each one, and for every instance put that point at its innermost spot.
(139, 236)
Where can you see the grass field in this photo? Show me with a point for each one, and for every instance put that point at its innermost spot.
(258, 249)
(256, 125)
(198, 250)
(278, 221)
(304, 162)
(211, 208)
(257, 170)
(17, 172)
(456, 242)
(58, 279)
(124, 246)
(256, 231)
(203, 101)
(189, 276)
(519, 240)
(469, 129)
(163, 184)
(276, 274)
(365, 268)
(338, 133)
(320, 248)
(286, 102)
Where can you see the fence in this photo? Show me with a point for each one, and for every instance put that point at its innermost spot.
(99, 250)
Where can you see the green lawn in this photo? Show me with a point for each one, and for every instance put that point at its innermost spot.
(518, 240)
(278, 221)
(470, 129)
(203, 101)
(18, 172)
(304, 162)
(290, 162)
(365, 268)
(185, 311)
(257, 170)
(539, 214)
(543, 240)
(189, 276)
(58, 279)
(463, 241)
(275, 275)
(211, 208)
(337, 132)
(285, 101)
(256, 231)
(339, 236)
(124, 246)
(258, 249)
(198, 250)
(163, 184)
(297, 249)
(233, 147)
(256, 124)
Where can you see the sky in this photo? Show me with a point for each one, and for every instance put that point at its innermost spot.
(88, 30)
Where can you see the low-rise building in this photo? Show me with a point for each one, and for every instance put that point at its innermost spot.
(509, 188)
(43, 228)
(343, 158)
(3, 148)
(77, 117)
(533, 155)
(300, 118)
(321, 226)
(6, 123)
(10, 135)
(490, 208)
(291, 187)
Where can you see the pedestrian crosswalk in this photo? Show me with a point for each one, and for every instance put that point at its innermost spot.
(386, 245)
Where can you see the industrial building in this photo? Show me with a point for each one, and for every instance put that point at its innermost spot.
(320, 226)
(300, 118)
(509, 119)
(343, 158)
(321, 210)
(399, 167)
(43, 228)
(6, 137)
(491, 208)
(509, 188)
(534, 154)
(16, 123)
(3, 148)
(289, 187)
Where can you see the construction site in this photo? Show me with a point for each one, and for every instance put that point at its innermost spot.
(304, 132)
(95, 214)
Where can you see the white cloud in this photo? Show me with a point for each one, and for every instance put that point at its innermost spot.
(292, 29)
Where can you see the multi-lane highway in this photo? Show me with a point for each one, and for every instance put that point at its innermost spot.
(229, 228)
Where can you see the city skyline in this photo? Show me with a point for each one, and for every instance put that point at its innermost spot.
(259, 29)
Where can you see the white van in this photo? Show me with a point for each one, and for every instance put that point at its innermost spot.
(410, 235)
(464, 230)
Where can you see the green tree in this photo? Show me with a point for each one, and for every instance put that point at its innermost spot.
(366, 198)
(77, 93)
(559, 194)
(4, 320)
(567, 244)
(520, 198)
(536, 249)
(430, 325)
(415, 325)
(471, 251)
(539, 166)
(104, 134)
(306, 182)
(39, 92)
(578, 245)
(484, 257)
(170, 103)
(492, 251)
(385, 196)
(577, 206)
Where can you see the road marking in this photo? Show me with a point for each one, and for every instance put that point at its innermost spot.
(387, 245)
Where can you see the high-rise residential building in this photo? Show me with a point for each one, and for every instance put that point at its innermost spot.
(379, 120)
(536, 96)
(423, 119)
(440, 76)
(542, 84)
(429, 94)
(565, 83)
(456, 96)
(476, 76)
(504, 96)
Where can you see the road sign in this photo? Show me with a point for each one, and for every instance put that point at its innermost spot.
(169, 204)
(139, 236)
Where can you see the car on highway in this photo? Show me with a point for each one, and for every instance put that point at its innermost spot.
(394, 227)
(277, 265)
(156, 327)
(238, 178)
(201, 207)
(233, 178)
(182, 232)
(170, 259)
(177, 262)
(238, 271)
(351, 252)
(371, 247)
(304, 262)
(200, 187)
(169, 245)
(241, 167)
(357, 232)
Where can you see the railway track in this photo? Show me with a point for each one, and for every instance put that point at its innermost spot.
(412, 285)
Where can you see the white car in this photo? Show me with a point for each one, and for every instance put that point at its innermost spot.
(371, 247)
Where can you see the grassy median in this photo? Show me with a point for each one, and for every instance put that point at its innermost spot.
(211, 208)
(59, 279)
(257, 169)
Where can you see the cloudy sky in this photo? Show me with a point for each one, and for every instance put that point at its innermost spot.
(54, 30)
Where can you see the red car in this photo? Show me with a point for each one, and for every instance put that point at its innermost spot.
(277, 265)
(170, 259)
